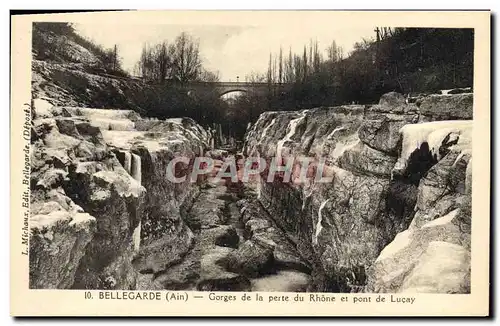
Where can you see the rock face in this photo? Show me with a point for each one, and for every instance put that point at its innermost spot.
(97, 179)
(433, 254)
(447, 107)
(391, 174)
(61, 84)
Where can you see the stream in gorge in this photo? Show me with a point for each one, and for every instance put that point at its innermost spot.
(236, 247)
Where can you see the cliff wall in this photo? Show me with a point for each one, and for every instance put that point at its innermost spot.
(396, 214)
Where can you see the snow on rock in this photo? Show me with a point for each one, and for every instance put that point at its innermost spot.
(127, 162)
(42, 108)
(456, 91)
(400, 242)
(57, 239)
(434, 258)
(46, 221)
(319, 226)
(341, 147)
(136, 168)
(121, 139)
(106, 119)
(92, 113)
(174, 120)
(292, 126)
(264, 132)
(432, 133)
(124, 186)
(442, 220)
(339, 128)
(443, 268)
(136, 237)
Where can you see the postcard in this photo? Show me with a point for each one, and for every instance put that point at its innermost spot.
(250, 163)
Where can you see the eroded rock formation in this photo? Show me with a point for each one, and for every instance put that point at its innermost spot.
(399, 198)
(102, 209)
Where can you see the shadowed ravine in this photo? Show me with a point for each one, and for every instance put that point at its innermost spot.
(226, 256)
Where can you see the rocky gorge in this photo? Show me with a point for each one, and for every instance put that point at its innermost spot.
(394, 218)
(104, 214)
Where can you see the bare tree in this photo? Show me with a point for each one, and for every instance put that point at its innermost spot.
(145, 66)
(254, 77)
(332, 52)
(289, 72)
(187, 61)
(317, 58)
(270, 69)
(114, 57)
(209, 76)
(280, 69)
(304, 63)
(164, 56)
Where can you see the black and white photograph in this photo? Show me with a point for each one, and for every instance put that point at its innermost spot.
(255, 158)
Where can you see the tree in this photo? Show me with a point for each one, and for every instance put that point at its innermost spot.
(254, 77)
(280, 69)
(270, 70)
(289, 72)
(145, 67)
(332, 52)
(304, 64)
(187, 61)
(208, 76)
(115, 58)
(163, 56)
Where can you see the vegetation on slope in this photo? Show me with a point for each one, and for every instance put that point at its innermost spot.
(405, 60)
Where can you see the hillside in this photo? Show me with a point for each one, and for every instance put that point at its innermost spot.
(60, 43)
(68, 69)
(411, 60)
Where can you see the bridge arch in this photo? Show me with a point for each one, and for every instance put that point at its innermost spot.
(228, 91)
(223, 88)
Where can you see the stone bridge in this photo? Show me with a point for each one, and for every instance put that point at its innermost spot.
(223, 88)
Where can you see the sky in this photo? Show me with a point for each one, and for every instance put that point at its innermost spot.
(232, 50)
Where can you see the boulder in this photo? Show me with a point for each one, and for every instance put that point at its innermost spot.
(159, 254)
(434, 258)
(251, 259)
(179, 277)
(392, 100)
(208, 210)
(255, 225)
(213, 277)
(443, 188)
(57, 244)
(443, 268)
(448, 107)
